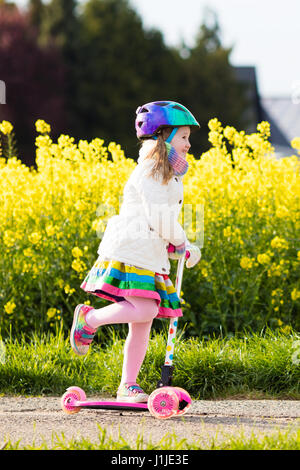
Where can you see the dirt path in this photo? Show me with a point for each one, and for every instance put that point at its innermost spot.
(40, 418)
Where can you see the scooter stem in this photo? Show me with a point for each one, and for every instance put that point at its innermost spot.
(167, 368)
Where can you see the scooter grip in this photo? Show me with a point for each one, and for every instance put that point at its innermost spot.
(171, 249)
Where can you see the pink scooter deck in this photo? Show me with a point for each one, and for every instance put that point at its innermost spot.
(112, 405)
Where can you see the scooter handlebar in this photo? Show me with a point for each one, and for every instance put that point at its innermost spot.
(171, 249)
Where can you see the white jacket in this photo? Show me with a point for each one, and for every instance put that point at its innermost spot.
(148, 220)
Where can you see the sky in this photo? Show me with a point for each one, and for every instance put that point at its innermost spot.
(263, 33)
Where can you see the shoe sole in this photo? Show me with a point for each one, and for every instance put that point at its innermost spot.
(143, 399)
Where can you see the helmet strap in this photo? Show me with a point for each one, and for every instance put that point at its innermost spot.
(154, 137)
(172, 134)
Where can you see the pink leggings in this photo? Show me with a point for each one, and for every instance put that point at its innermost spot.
(139, 313)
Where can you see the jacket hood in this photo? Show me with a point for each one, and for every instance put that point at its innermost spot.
(147, 146)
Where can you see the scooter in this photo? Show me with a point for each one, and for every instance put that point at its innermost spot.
(165, 401)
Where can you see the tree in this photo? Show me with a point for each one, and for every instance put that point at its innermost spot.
(211, 88)
(58, 23)
(34, 78)
(122, 67)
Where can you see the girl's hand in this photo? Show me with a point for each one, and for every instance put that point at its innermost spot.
(176, 252)
(195, 256)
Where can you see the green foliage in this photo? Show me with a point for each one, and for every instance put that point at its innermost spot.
(277, 440)
(113, 64)
(260, 365)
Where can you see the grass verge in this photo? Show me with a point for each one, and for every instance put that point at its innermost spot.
(277, 440)
(255, 365)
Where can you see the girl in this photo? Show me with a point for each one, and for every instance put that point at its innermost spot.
(133, 266)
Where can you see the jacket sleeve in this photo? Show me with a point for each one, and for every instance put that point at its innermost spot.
(162, 217)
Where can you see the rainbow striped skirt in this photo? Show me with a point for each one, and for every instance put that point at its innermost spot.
(112, 280)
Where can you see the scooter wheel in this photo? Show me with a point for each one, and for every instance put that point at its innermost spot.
(79, 390)
(185, 400)
(69, 398)
(163, 403)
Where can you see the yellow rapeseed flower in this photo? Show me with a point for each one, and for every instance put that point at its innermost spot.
(35, 238)
(295, 295)
(60, 283)
(264, 128)
(246, 262)
(263, 258)
(227, 231)
(50, 230)
(279, 243)
(51, 312)
(42, 127)
(6, 127)
(9, 307)
(77, 252)
(78, 265)
(295, 143)
(9, 238)
(60, 197)
(215, 125)
(68, 289)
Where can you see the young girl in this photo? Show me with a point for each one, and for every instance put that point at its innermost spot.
(133, 266)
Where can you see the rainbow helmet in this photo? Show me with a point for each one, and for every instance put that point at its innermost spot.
(153, 116)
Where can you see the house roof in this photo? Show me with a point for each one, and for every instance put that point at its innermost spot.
(284, 117)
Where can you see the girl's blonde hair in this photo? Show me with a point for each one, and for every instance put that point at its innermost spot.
(162, 167)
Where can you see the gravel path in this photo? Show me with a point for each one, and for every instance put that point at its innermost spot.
(40, 419)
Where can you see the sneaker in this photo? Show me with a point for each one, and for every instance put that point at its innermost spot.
(81, 334)
(132, 394)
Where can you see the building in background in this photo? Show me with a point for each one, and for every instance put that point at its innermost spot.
(283, 113)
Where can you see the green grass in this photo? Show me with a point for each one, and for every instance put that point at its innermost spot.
(252, 366)
(277, 440)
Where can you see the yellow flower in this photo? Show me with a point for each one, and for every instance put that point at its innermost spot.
(9, 238)
(78, 265)
(68, 289)
(35, 238)
(263, 258)
(50, 230)
(9, 307)
(227, 231)
(60, 283)
(215, 125)
(229, 133)
(277, 292)
(80, 205)
(51, 312)
(6, 127)
(282, 212)
(279, 243)
(215, 138)
(275, 270)
(295, 295)
(295, 143)
(246, 263)
(77, 252)
(204, 272)
(28, 252)
(42, 127)
(264, 128)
